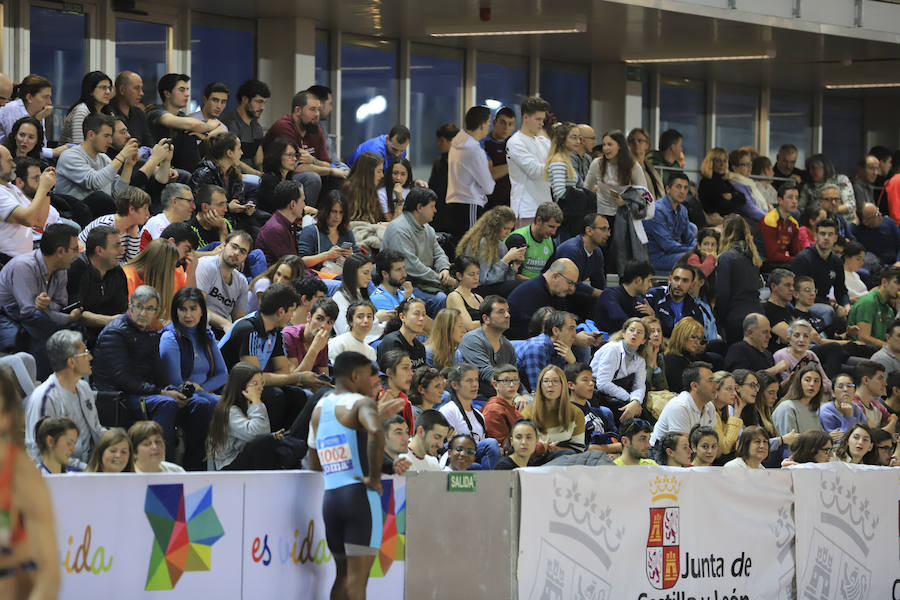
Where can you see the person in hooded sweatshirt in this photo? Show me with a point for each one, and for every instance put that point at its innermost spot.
(469, 174)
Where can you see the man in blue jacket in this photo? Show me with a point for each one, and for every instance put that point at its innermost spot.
(673, 302)
(670, 233)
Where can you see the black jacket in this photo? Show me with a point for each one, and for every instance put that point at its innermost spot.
(127, 359)
(658, 298)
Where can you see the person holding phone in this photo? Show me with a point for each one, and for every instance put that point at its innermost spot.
(325, 245)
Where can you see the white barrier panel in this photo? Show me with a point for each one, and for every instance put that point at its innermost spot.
(848, 535)
(216, 535)
(655, 533)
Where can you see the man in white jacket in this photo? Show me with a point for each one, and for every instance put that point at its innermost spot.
(526, 153)
(469, 174)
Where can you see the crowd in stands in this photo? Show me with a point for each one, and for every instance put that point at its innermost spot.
(175, 289)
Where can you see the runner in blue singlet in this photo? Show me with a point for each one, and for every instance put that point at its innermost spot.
(346, 443)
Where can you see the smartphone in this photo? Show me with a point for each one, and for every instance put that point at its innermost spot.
(71, 307)
(347, 245)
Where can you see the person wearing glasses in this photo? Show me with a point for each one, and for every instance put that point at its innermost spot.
(672, 302)
(560, 424)
(500, 411)
(798, 352)
(221, 281)
(687, 343)
(461, 453)
(741, 163)
(888, 452)
(178, 205)
(552, 288)
(693, 406)
(841, 414)
(810, 447)
(66, 393)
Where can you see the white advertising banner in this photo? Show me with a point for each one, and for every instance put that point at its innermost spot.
(655, 533)
(221, 535)
(848, 534)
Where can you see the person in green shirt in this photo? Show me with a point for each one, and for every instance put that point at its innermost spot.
(537, 239)
(635, 443)
(873, 312)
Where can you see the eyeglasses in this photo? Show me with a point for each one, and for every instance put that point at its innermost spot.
(551, 381)
(752, 384)
(827, 449)
(845, 386)
(569, 281)
(80, 354)
(185, 199)
(469, 451)
(289, 155)
(887, 448)
(508, 381)
(243, 251)
(699, 339)
(255, 383)
(143, 309)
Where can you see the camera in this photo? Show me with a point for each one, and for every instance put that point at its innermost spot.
(187, 390)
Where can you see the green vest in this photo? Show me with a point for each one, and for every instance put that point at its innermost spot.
(536, 254)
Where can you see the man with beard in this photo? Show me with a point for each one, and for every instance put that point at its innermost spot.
(222, 283)
(672, 303)
(244, 121)
(394, 287)
(22, 209)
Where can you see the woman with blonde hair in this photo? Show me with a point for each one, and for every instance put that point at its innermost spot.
(620, 371)
(446, 334)
(686, 344)
(485, 242)
(156, 266)
(560, 423)
(728, 425)
(361, 188)
(715, 191)
(741, 163)
(564, 139)
(737, 278)
(639, 144)
(653, 355)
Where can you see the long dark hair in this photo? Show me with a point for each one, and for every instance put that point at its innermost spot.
(843, 449)
(188, 294)
(88, 84)
(350, 280)
(388, 181)
(795, 391)
(624, 159)
(807, 445)
(325, 205)
(10, 140)
(272, 155)
(232, 395)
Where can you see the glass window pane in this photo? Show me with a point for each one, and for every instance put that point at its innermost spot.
(432, 68)
(58, 52)
(842, 131)
(682, 106)
(736, 117)
(501, 81)
(142, 47)
(220, 54)
(790, 118)
(322, 58)
(566, 89)
(369, 94)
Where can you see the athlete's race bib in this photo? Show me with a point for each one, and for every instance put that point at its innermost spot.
(334, 454)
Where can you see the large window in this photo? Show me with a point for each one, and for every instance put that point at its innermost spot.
(790, 118)
(842, 133)
(322, 58)
(566, 89)
(220, 54)
(143, 48)
(736, 117)
(58, 52)
(369, 95)
(682, 105)
(432, 68)
(501, 80)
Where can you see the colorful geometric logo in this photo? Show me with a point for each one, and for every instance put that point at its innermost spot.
(184, 530)
(393, 537)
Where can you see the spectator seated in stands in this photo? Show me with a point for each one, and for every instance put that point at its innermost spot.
(325, 245)
(879, 234)
(26, 139)
(521, 446)
(113, 453)
(635, 443)
(826, 269)
(32, 99)
(66, 393)
(278, 237)
(169, 121)
(469, 175)
(584, 250)
(741, 163)
(447, 332)
(240, 434)
(412, 317)
(395, 187)
(670, 233)
(704, 446)
(552, 288)
(716, 193)
(257, 339)
(870, 388)
(96, 92)
(737, 278)
(360, 194)
(560, 424)
(285, 270)
(485, 243)
(526, 152)
(394, 287)
(306, 344)
(500, 412)
(223, 169)
(427, 265)
(821, 173)
(129, 361)
(673, 450)
(222, 283)
(487, 347)
(398, 373)
(178, 206)
(464, 418)
(730, 404)
(55, 440)
(279, 161)
(156, 266)
(212, 103)
(673, 302)
(33, 294)
(432, 429)
(150, 449)
(842, 413)
(798, 410)
(244, 121)
(621, 302)
(752, 450)
(853, 257)
(889, 354)
(693, 406)
(126, 106)
(20, 214)
(396, 442)
(355, 285)
(537, 239)
(309, 289)
(461, 451)
(426, 390)
(600, 431)
(873, 312)
(620, 371)
(97, 281)
(752, 352)
(132, 211)
(360, 316)
(552, 347)
(463, 298)
(687, 344)
(779, 230)
(193, 363)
